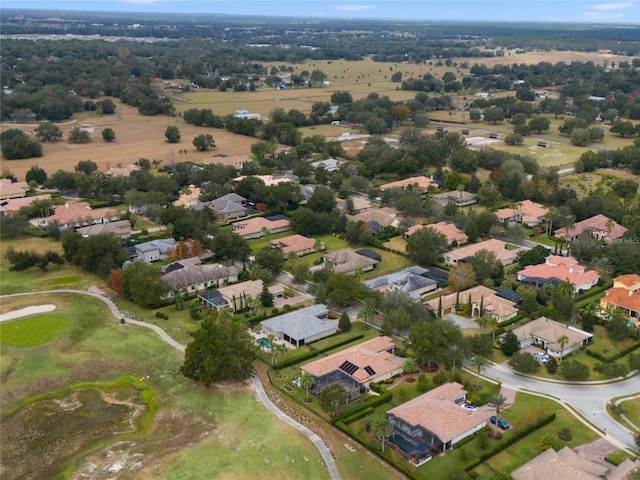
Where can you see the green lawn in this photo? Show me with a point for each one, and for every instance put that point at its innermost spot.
(632, 411)
(33, 330)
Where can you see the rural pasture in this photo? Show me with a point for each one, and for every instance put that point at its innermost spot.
(138, 136)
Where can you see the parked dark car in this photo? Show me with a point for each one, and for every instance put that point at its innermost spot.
(501, 422)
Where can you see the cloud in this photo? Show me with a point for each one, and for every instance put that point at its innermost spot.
(353, 8)
(612, 6)
(602, 15)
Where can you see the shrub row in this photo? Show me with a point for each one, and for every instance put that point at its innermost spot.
(594, 291)
(358, 415)
(612, 358)
(510, 441)
(315, 353)
(375, 401)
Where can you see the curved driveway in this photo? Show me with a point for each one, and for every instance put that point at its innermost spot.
(255, 382)
(589, 400)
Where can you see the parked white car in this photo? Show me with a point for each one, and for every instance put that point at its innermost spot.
(541, 357)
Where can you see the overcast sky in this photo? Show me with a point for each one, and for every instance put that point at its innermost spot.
(592, 11)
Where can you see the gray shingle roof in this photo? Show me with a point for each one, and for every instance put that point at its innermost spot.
(404, 280)
(302, 324)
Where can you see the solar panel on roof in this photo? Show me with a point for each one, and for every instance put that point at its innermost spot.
(348, 367)
(369, 370)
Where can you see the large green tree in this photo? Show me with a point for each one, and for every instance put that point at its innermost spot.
(424, 246)
(143, 285)
(221, 350)
(16, 145)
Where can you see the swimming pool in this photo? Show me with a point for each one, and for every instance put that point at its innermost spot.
(263, 342)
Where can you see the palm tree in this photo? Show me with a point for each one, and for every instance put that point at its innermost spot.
(306, 382)
(410, 366)
(267, 235)
(604, 266)
(454, 352)
(366, 313)
(549, 216)
(382, 428)
(479, 364)
(563, 340)
(489, 322)
(499, 402)
(566, 287)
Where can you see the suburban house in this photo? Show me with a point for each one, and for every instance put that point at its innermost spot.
(190, 275)
(229, 206)
(11, 206)
(356, 367)
(359, 205)
(557, 269)
(257, 226)
(565, 464)
(154, 250)
(188, 197)
(246, 114)
(120, 171)
(301, 327)
(497, 247)
(460, 198)
(235, 161)
(420, 184)
(269, 180)
(545, 333)
(433, 423)
(485, 302)
(120, 228)
(406, 281)
(601, 227)
(527, 212)
(347, 260)
(80, 214)
(9, 189)
(449, 230)
(624, 295)
(377, 218)
(329, 165)
(237, 296)
(298, 244)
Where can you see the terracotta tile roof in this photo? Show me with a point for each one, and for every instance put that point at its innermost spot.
(81, 213)
(347, 260)
(235, 161)
(436, 412)
(189, 197)
(250, 288)
(294, 243)
(268, 180)
(373, 353)
(562, 465)
(629, 280)
(597, 224)
(420, 183)
(567, 269)
(385, 216)
(495, 306)
(449, 230)
(122, 171)
(13, 205)
(531, 211)
(256, 224)
(498, 247)
(551, 331)
(623, 298)
(10, 189)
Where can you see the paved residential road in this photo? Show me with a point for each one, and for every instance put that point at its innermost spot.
(589, 400)
(255, 382)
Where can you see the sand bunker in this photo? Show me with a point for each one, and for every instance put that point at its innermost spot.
(23, 312)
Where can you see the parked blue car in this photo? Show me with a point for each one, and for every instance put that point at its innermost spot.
(501, 422)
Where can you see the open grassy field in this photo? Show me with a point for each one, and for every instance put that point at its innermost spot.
(137, 137)
(632, 409)
(143, 137)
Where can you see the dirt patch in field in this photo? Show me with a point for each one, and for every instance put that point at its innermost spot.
(137, 137)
